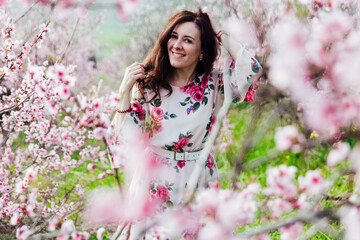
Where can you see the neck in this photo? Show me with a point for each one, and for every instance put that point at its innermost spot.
(182, 77)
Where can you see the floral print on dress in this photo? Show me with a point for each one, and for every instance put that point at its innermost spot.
(209, 125)
(138, 112)
(199, 90)
(184, 141)
(161, 193)
(210, 163)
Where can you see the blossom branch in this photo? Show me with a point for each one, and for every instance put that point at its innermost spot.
(71, 38)
(303, 216)
(27, 11)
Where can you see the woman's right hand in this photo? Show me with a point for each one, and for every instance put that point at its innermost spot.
(132, 73)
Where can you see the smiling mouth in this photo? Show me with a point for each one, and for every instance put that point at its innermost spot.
(177, 54)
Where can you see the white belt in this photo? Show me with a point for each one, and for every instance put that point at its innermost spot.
(178, 156)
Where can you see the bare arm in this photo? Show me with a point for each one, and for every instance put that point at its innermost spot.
(227, 42)
(132, 73)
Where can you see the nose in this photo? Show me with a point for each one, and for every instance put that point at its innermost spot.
(177, 44)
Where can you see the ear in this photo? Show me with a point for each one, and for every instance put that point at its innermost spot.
(201, 56)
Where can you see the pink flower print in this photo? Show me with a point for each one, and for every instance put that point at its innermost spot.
(212, 121)
(136, 107)
(162, 193)
(204, 80)
(157, 114)
(182, 143)
(181, 164)
(210, 162)
(187, 88)
(250, 96)
(197, 93)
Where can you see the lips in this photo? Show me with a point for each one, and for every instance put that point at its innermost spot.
(175, 54)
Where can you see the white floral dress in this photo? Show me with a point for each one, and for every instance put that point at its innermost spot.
(182, 122)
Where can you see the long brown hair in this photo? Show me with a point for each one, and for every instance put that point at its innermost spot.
(157, 62)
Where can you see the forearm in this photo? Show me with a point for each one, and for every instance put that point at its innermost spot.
(123, 104)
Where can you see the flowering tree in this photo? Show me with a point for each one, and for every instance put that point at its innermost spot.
(53, 127)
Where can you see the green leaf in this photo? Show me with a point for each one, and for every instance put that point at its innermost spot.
(211, 172)
(207, 133)
(173, 115)
(181, 136)
(169, 203)
(187, 99)
(196, 106)
(255, 69)
(205, 101)
(182, 103)
(211, 86)
(197, 80)
(190, 144)
(166, 117)
(236, 100)
(157, 102)
(136, 121)
(168, 146)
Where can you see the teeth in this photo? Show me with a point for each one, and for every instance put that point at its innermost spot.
(177, 55)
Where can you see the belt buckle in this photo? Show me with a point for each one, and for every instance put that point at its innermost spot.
(175, 155)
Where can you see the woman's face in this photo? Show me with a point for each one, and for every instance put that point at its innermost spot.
(184, 46)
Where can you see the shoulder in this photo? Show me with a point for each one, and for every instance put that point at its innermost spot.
(216, 74)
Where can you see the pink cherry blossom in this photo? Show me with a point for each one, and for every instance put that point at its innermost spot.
(289, 138)
(280, 182)
(23, 232)
(279, 206)
(291, 232)
(313, 183)
(338, 154)
(350, 217)
(100, 233)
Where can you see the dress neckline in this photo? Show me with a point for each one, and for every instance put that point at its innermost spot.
(192, 81)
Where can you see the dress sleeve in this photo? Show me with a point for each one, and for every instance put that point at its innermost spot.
(243, 73)
(121, 134)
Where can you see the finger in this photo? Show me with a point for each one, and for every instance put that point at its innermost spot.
(137, 70)
(138, 76)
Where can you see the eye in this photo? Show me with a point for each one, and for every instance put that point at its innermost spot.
(173, 36)
(188, 41)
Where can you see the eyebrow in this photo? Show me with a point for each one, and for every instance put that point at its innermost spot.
(185, 35)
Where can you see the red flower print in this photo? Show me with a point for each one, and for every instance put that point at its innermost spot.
(141, 115)
(187, 88)
(232, 63)
(136, 107)
(181, 164)
(162, 193)
(157, 114)
(210, 162)
(250, 96)
(157, 127)
(182, 143)
(204, 80)
(212, 121)
(197, 93)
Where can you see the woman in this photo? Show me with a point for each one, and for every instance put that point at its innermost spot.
(176, 95)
